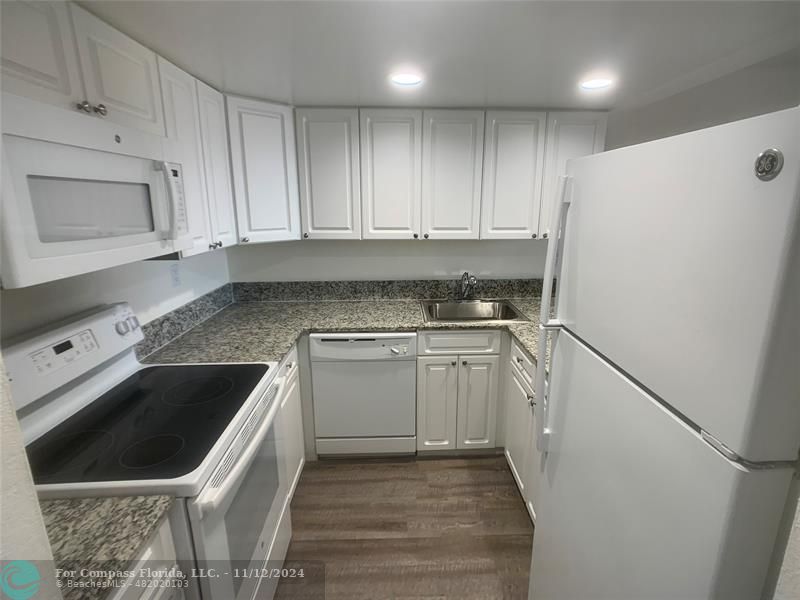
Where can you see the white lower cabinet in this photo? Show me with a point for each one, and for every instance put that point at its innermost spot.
(520, 434)
(477, 401)
(456, 402)
(158, 560)
(292, 420)
(437, 402)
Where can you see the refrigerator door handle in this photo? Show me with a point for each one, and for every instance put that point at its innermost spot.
(546, 323)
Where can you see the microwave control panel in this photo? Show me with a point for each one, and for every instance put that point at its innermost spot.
(181, 219)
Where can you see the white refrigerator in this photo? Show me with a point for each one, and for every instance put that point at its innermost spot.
(671, 422)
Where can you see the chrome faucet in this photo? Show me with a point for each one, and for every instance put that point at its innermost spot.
(467, 285)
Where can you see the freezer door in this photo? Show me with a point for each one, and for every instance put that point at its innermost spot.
(633, 505)
(683, 268)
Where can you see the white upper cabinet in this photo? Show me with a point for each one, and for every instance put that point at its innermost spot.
(512, 174)
(120, 75)
(216, 163)
(39, 58)
(569, 135)
(452, 159)
(391, 169)
(183, 146)
(264, 170)
(328, 164)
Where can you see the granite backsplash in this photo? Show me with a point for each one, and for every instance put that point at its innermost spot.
(405, 289)
(166, 328)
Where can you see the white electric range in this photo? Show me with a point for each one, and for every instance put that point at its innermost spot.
(96, 422)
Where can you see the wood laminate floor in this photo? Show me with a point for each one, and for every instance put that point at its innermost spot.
(408, 529)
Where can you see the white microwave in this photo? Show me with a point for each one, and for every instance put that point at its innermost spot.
(70, 209)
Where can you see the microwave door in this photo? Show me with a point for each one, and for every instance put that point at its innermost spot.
(70, 210)
(234, 518)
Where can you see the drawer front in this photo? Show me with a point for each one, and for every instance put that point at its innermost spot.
(459, 342)
(523, 362)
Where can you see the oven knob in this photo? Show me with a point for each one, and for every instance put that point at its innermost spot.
(133, 322)
(122, 327)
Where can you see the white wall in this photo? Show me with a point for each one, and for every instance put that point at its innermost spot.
(336, 260)
(767, 86)
(21, 526)
(153, 288)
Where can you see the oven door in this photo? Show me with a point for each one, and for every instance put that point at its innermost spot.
(70, 210)
(236, 515)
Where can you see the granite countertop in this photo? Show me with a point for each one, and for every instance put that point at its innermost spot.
(266, 331)
(105, 534)
(109, 533)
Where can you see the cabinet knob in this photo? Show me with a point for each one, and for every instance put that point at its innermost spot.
(531, 401)
(245, 239)
(425, 236)
(544, 235)
(463, 362)
(534, 236)
(218, 244)
(101, 110)
(519, 360)
(84, 106)
(305, 235)
(453, 363)
(416, 236)
(212, 246)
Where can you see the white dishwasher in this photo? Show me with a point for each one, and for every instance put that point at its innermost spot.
(365, 398)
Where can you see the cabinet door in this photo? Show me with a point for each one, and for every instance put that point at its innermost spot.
(216, 165)
(452, 160)
(437, 402)
(532, 463)
(183, 146)
(264, 170)
(328, 163)
(519, 429)
(512, 175)
(477, 401)
(39, 58)
(391, 167)
(569, 135)
(292, 421)
(119, 74)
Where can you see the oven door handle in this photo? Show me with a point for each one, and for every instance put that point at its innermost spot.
(212, 497)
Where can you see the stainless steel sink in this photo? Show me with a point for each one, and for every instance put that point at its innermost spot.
(447, 311)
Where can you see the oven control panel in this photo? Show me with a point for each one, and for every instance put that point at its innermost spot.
(64, 352)
(48, 359)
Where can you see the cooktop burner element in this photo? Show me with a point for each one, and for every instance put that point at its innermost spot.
(151, 451)
(198, 391)
(160, 423)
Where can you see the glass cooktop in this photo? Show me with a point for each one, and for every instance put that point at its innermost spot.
(160, 423)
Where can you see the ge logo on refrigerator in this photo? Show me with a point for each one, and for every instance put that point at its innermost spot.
(768, 164)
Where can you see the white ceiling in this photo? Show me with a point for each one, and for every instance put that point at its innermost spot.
(477, 53)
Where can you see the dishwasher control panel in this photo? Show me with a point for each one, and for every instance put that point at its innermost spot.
(363, 346)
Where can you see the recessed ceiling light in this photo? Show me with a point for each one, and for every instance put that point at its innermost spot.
(596, 84)
(406, 79)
